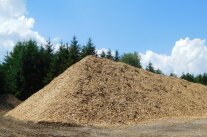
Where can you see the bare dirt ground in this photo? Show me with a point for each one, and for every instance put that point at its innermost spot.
(161, 128)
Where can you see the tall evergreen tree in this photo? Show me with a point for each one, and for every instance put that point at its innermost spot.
(2, 80)
(150, 67)
(46, 58)
(25, 68)
(31, 71)
(103, 54)
(173, 75)
(109, 54)
(14, 80)
(74, 51)
(88, 49)
(116, 57)
(201, 78)
(188, 77)
(60, 62)
(158, 71)
(204, 79)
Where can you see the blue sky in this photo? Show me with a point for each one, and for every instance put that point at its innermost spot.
(169, 33)
(127, 25)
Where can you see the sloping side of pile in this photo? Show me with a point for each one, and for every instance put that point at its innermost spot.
(100, 91)
(8, 102)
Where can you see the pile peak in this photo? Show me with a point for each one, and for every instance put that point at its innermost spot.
(98, 91)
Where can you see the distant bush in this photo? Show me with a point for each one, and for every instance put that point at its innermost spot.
(132, 59)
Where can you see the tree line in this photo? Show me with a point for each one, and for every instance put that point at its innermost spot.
(29, 67)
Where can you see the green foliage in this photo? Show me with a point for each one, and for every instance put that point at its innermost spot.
(109, 54)
(158, 71)
(132, 59)
(65, 57)
(150, 67)
(13, 70)
(103, 54)
(25, 68)
(59, 63)
(46, 59)
(88, 49)
(188, 77)
(2, 80)
(173, 75)
(153, 70)
(74, 51)
(31, 73)
(29, 67)
(116, 57)
(201, 78)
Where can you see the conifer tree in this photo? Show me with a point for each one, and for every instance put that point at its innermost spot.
(173, 75)
(47, 56)
(14, 80)
(109, 54)
(116, 57)
(74, 51)
(103, 54)
(88, 49)
(188, 77)
(150, 67)
(158, 71)
(2, 80)
(23, 73)
(60, 62)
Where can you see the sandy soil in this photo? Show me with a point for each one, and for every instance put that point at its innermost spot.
(161, 128)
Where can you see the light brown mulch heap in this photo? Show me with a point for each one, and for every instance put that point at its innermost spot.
(8, 102)
(99, 91)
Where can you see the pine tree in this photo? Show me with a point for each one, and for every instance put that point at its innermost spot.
(31, 70)
(60, 62)
(14, 80)
(47, 56)
(74, 51)
(204, 79)
(22, 65)
(116, 57)
(103, 54)
(88, 49)
(109, 54)
(188, 77)
(201, 78)
(2, 80)
(150, 67)
(158, 71)
(173, 75)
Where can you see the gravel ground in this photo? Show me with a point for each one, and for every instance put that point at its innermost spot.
(162, 128)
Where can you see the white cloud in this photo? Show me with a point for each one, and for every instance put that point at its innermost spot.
(12, 8)
(187, 56)
(14, 25)
(99, 51)
(56, 42)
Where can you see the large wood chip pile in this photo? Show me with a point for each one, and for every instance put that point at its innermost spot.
(99, 91)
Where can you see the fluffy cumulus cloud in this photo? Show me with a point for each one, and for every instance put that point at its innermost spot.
(14, 25)
(187, 56)
(99, 51)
